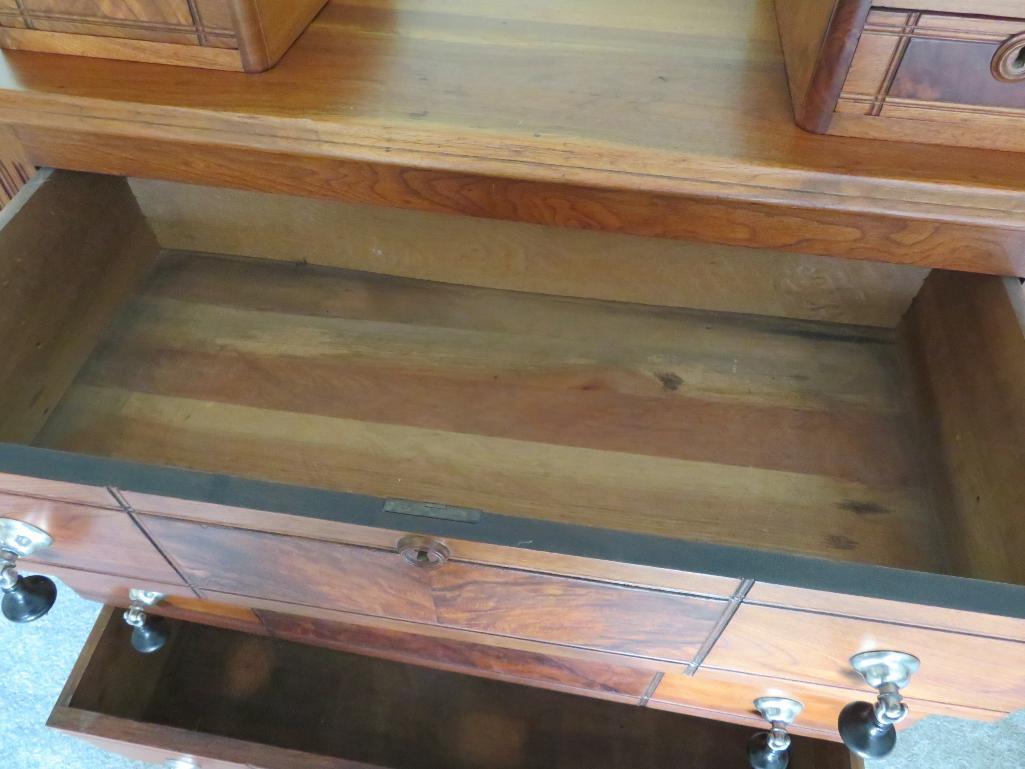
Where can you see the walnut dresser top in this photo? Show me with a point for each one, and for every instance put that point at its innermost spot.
(673, 123)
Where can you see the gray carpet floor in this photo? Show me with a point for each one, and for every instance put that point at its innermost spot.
(37, 659)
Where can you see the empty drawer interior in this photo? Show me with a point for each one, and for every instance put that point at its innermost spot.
(238, 345)
(245, 698)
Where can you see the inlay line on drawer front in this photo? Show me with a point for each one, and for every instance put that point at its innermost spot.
(319, 528)
(966, 670)
(498, 601)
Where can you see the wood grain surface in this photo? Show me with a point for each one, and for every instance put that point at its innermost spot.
(317, 573)
(668, 126)
(965, 337)
(847, 605)
(219, 34)
(107, 588)
(267, 28)
(90, 538)
(15, 167)
(524, 257)
(25, 485)
(929, 77)
(443, 633)
(497, 601)
(730, 696)
(957, 669)
(72, 246)
(819, 38)
(669, 422)
(466, 550)
(490, 661)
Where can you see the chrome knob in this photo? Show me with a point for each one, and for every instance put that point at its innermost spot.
(423, 552)
(868, 728)
(149, 634)
(24, 598)
(771, 749)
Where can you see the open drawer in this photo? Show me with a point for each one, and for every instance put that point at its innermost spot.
(217, 698)
(597, 476)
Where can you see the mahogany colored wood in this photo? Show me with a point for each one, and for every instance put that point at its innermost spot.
(676, 423)
(729, 696)
(957, 669)
(477, 552)
(594, 679)
(72, 247)
(28, 486)
(444, 633)
(503, 602)
(515, 256)
(249, 35)
(453, 120)
(90, 538)
(180, 602)
(965, 337)
(295, 570)
(919, 615)
(283, 706)
(113, 590)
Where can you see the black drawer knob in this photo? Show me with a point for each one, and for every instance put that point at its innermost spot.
(149, 634)
(868, 728)
(771, 749)
(24, 598)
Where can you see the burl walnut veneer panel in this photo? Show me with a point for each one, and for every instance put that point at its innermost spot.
(498, 601)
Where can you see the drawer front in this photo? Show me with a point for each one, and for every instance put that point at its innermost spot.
(938, 67)
(505, 602)
(107, 588)
(514, 665)
(971, 671)
(90, 538)
(730, 696)
(180, 602)
(161, 21)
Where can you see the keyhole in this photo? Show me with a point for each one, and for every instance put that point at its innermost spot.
(1018, 61)
(422, 556)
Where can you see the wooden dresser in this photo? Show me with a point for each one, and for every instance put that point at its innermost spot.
(673, 404)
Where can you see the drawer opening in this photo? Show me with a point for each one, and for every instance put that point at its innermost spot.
(893, 446)
(227, 696)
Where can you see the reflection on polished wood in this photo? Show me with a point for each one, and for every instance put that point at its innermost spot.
(224, 696)
(674, 123)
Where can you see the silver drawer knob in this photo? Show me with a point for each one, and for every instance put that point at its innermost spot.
(24, 598)
(149, 634)
(868, 728)
(770, 750)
